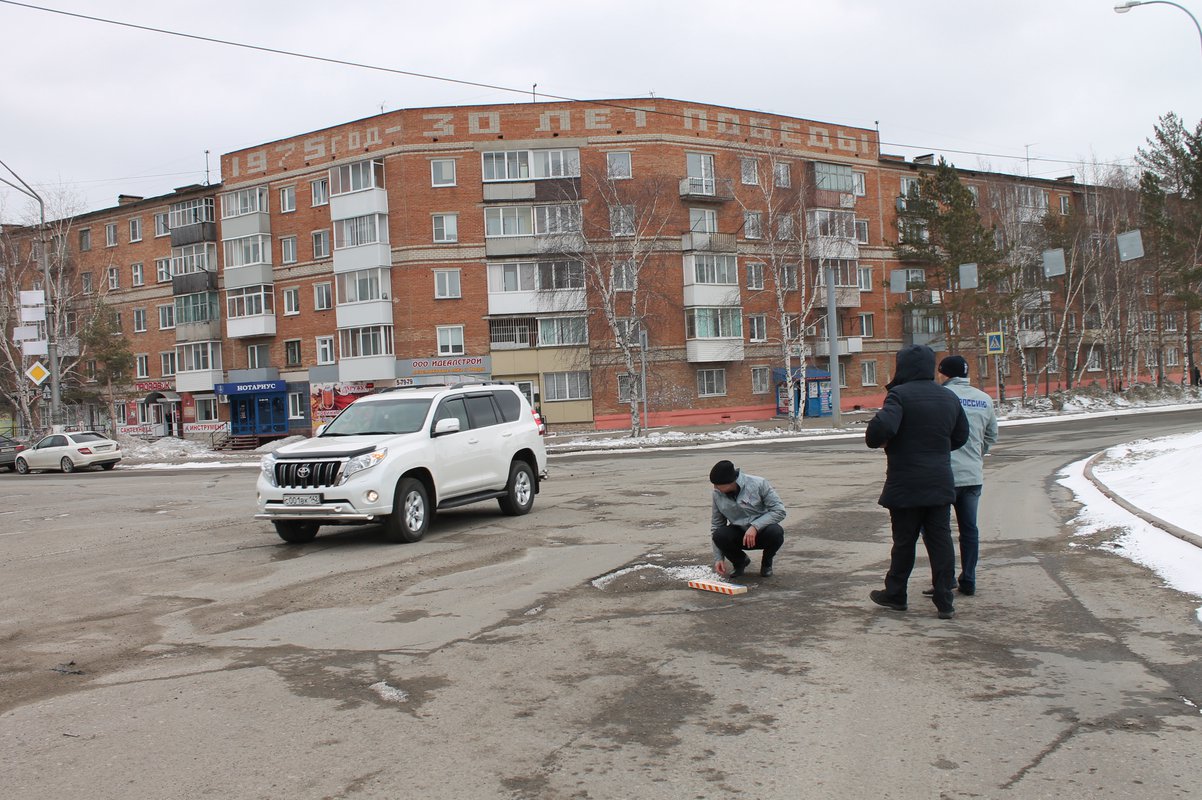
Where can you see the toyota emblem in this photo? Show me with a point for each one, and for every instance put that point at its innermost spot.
(303, 472)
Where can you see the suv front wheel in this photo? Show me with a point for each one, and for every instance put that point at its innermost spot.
(519, 492)
(410, 512)
(294, 531)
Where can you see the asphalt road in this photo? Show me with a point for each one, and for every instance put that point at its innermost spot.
(156, 642)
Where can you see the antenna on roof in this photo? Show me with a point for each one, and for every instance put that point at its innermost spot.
(534, 93)
(206, 167)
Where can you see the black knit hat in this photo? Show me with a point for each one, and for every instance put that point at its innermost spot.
(954, 367)
(723, 473)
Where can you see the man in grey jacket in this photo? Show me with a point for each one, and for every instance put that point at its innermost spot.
(968, 467)
(745, 515)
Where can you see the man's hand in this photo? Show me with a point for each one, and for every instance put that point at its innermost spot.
(749, 538)
(720, 566)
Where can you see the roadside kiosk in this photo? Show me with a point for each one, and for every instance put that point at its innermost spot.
(813, 399)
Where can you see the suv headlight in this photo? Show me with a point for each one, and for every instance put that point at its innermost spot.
(267, 467)
(360, 463)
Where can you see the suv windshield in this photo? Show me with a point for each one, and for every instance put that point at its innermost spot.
(402, 415)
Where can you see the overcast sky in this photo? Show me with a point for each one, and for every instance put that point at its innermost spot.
(94, 110)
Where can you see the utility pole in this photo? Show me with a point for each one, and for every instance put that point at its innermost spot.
(51, 341)
(832, 337)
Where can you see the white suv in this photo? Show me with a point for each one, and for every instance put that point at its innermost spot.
(396, 456)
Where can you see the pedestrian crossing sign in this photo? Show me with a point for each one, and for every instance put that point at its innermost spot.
(995, 344)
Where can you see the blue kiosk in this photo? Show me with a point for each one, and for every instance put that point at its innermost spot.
(813, 401)
(257, 408)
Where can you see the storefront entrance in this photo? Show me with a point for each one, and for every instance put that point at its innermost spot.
(256, 409)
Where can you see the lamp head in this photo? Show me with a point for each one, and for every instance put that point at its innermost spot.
(1123, 8)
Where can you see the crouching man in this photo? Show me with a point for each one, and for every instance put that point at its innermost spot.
(746, 516)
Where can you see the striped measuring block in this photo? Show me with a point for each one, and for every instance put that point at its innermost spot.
(718, 586)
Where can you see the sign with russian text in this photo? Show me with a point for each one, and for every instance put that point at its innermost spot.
(450, 365)
(206, 427)
(250, 387)
(154, 386)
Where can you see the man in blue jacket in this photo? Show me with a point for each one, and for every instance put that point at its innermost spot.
(745, 515)
(968, 468)
(919, 426)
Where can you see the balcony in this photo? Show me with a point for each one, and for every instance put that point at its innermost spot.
(194, 234)
(703, 351)
(193, 282)
(250, 275)
(368, 368)
(709, 242)
(207, 331)
(847, 345)
(500, 246)
(537, 302)
(709, 294)
(249, 327)
(834, 247)
(260, 375)
(358, 315)
(364, 256)
(521, 190)
(245, 225)
(198, 381)
(714, 190)
(358, 204)
(845, 296)
(1027, 339)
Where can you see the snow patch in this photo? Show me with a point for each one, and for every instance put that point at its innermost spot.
(389, 693)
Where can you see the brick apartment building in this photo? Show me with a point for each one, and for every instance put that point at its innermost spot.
(517, 242)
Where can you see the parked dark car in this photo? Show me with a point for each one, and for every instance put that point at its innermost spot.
(8, 451)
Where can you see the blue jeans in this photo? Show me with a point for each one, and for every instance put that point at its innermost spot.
(967, 500)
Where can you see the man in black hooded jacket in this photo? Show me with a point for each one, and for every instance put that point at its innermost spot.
(919, 426)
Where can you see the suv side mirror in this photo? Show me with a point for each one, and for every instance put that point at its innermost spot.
(445, 426)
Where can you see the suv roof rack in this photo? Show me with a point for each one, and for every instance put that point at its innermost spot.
(446, 385)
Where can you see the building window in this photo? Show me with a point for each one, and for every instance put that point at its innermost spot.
(512, 277)
(137, 278)
(288, 250)
(782, 175)
(625, 273)
(519, 165)
(287, 199)
(700, 169)
(713, 323)
(296, 405)
(785, 227)
(862, 231)
(749, 171)
(373, 340)
(757, 328)
(142, 365)
(1093, 361)
(557, 331)
(755, 276)
(711, 382)
(442, 172)
(250, 301)
(567, 386)
(320, 190)
(162, 270)
(1064, 205)
(85, 240)
(357, 231)
(161, 227)
(753, 225)
(834, 177)
(258, 356)
(715, 269)
(167, 317)
(357, 177)
(206, 409)
(703, 220)
(858, 188)
(247, 250)
(199, 307)
(292, 352)
(617, 165)
(321, 244)
(560, 275)
(191, 212)
(761, 380)
(446, 228)
(325, 349)
(110, 235)
(139, 320)
(291, 301)
(362, 285)
(135, 229)
(200, 257)
(167, 363)
(982, 367)
(446, 284)
(323, 298)
(450, 340)
(621, 220)
(85, 282)
(114, 278)
(243, 202)
(866, 325)
(868, 373)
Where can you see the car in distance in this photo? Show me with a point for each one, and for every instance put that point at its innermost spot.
(69, 452)
(396, 456)
(9, 448)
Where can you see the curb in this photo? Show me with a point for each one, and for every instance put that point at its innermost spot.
(1181, 533)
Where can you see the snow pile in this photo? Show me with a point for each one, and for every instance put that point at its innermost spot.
(1158, 475)
(654, 573)
(276, 444)
(389, 693)
(167, 448)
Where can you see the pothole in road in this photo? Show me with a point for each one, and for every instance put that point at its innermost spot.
(649, 577)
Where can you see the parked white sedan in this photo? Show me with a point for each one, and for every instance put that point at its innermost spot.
(69, 452)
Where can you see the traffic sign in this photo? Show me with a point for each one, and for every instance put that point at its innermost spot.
(37, 373)
(995, 343)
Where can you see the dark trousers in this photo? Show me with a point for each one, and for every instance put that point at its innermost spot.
(934, 524)
(729, 540)
(967, 500)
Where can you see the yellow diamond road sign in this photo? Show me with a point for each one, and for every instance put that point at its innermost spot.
(37, 373)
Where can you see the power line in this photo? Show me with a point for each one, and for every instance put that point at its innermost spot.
(478, 84)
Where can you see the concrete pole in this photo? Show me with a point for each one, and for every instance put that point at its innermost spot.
(832, 337)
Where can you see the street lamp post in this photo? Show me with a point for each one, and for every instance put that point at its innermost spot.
(1123, 8)
(51, 343)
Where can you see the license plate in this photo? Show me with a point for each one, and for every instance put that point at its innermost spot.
(302, 499)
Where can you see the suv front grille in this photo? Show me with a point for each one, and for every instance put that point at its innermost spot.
(306, 474)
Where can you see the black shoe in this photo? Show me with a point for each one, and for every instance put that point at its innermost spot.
(766, 568)
(737, 572)
(928, 592)
(879, 597)
(967, 589)
(949, 614)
